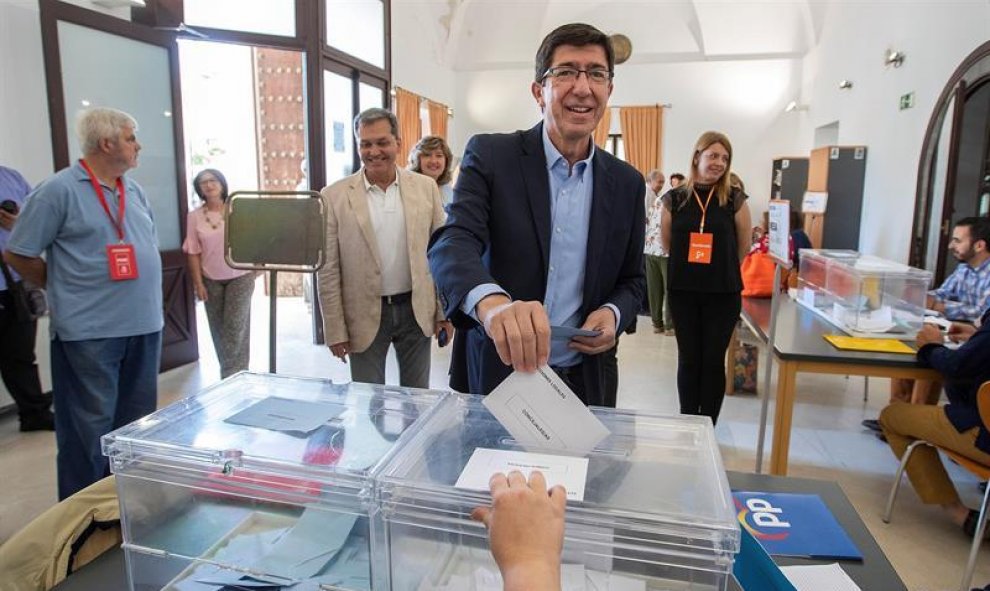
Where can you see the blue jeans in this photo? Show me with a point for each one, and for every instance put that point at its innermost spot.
(98, 386)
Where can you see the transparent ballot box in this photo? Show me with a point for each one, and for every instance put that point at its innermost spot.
(654, 512)
(862, 294)
(258, 478)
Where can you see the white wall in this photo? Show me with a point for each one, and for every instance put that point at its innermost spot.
(936, 36)
(419, 53)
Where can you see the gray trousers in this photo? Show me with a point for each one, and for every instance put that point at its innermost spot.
(398, 327)
(228, 309)
(656, 287)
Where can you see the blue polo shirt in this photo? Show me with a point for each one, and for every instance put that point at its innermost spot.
(64, 220)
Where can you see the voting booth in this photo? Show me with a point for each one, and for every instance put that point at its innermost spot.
(258, 479)
(648, 508)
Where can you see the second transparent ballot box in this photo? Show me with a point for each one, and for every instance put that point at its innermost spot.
(864, 294)
(653, 511)
(258, 479)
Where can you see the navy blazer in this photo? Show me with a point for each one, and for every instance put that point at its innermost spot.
(498, 231)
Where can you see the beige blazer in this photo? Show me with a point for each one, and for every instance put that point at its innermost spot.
(350, 283)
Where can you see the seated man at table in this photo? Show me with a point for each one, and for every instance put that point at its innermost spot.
(956, 425)
(963, 296)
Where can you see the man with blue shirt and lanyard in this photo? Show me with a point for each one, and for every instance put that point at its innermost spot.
(103, 274)
(544, 230)
(18, 366)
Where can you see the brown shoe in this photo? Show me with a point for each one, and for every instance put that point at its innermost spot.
(669, 332)
(657, 330)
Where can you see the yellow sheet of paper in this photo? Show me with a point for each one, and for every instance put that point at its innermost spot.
(874, 345)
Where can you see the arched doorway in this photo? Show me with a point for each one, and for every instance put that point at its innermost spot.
(954, 169)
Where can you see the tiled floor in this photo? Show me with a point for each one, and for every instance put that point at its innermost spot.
(827, 442)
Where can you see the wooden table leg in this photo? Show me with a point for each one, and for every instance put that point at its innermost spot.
(783, 412)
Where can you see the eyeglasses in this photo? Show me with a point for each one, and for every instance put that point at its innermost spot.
(569, 75)
(208, 182)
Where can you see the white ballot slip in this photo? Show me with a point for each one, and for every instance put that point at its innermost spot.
(567, 471)
(540, 411)
(814, 577)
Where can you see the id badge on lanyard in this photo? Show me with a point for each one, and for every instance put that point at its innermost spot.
(700, 242)
(121, 262)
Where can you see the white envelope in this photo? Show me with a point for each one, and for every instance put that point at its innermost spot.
(541, 412)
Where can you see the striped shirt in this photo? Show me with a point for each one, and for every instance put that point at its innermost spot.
(966, 293)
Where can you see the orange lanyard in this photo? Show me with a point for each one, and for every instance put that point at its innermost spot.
(704, 208)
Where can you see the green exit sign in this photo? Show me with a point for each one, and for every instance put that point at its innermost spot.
(907, 101)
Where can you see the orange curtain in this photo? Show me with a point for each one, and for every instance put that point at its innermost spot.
(438, 119)
(601, 132)
(410, 125)
(641, 127)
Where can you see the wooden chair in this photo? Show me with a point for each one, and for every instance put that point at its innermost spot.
(981, 471)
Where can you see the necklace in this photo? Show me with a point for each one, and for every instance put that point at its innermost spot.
(214, 225)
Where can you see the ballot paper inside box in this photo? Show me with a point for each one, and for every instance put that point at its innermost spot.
(655, 510)
(261, 480)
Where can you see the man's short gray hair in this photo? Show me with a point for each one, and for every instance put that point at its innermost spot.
(372, 116)
(101, 123)
(653, 175)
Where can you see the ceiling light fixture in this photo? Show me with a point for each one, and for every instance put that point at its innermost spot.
(794, 106)
(845, 84)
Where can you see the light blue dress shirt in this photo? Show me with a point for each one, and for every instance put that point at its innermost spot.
(571, 189)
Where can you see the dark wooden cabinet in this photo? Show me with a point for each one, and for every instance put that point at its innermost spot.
(839, 171)
(789, 180)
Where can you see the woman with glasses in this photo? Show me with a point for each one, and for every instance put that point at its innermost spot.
(226, 292)
(432, 156)
(706, 227)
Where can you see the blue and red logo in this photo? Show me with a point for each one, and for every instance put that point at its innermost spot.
(761, 519)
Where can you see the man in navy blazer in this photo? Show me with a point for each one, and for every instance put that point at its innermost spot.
(544, 230)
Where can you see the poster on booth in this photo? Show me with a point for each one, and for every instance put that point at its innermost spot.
(789, 524)
(780, 231)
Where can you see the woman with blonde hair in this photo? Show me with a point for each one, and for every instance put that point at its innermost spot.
(706, 226)
(432, 156)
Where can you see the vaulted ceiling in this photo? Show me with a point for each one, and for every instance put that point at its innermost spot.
(498, 34)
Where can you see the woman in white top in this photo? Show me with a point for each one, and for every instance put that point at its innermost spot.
(432, 156)
(225, 291)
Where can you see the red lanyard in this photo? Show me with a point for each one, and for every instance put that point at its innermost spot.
(118, 223)
(704, 208)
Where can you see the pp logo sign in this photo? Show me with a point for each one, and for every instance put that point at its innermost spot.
(762, 520)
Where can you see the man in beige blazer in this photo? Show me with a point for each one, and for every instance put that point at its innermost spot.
(375, 288)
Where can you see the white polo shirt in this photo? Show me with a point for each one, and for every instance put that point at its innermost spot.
(389, 222)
